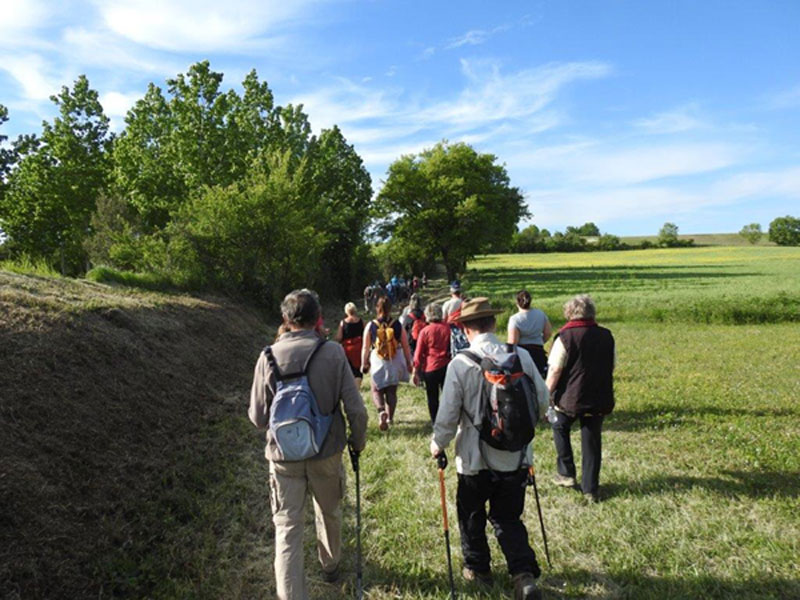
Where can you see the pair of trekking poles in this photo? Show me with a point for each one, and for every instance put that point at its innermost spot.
(441, 462)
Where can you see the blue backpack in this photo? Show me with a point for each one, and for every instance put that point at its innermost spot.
(298, 425)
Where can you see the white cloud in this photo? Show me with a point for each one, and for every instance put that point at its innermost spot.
(104, 49)
(198, 25)
(19, 17)
(33, 74)
(475, 37)
(674, 121)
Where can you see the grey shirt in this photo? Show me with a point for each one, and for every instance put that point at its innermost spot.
(461, 394)
(530, 324)
(331, 379)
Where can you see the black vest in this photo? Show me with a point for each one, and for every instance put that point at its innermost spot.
(586, 384)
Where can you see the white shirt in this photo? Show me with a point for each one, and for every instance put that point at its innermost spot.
(461, 394)
(451, 306)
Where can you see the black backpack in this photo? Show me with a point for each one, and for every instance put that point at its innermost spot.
(508, 407)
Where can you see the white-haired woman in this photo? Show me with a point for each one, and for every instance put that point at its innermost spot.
(581, 383)
(351, 336)
(432, 356)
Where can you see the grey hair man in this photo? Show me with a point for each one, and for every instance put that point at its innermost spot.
(331, 380)
(487, 474)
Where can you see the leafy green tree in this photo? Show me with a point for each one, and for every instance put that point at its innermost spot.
(587, 230)
(668, 235)
(449, 202)
(752, 233)
(343, 189)
(52, 191)
(608, 242)
(785, 231)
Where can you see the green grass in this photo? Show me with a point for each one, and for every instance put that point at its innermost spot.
(147, 281)
(701, 473)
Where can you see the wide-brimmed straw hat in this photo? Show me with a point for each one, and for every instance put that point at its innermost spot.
(477, 308)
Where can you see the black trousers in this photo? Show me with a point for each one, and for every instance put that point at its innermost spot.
(505, 493)
(539, 357)
(434, 382)
(591, 427)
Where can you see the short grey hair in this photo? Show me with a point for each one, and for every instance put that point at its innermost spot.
(415, 302)
(433, 312)
(301, 308)
(580, 307)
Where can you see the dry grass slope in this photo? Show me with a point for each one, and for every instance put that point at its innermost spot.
(119, 409)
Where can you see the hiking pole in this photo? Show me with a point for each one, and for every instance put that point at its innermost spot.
(441, 461)
(532, 481)
(356, 470)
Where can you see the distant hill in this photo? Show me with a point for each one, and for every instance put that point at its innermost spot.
(702, 239)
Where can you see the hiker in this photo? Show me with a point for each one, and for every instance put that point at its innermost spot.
(424, 280)
(454, 303)
(350, 335)
(530, 328)
(432, 356)
(333, 386)
(368, 297)
(486, 473)
(580, 380)
(386, 349)
(413, 320)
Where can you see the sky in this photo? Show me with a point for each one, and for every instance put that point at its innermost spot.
(628, 114)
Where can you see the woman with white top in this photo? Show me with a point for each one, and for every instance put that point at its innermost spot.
(530, 329)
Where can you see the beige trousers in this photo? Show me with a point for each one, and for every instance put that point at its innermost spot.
(288, 483)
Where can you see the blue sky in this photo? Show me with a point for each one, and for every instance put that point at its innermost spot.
(628, 114)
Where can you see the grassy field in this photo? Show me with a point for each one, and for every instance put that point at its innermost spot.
(701, 472)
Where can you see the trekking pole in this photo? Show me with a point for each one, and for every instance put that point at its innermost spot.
(532, 481)
(441, 461)
(356, 470)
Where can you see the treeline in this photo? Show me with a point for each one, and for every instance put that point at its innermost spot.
(587, 237)
(205, 188)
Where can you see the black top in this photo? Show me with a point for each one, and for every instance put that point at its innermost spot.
(586, 384)
(352, 330)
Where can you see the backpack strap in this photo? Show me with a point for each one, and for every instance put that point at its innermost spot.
(281, 376)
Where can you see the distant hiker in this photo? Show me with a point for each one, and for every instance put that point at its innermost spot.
(415, 284)
(580, 378)
(424, 280)
(485, 473)
(368, 298)
(350, 335)
(413, 320)
(332, 387)
(530, 329)
(454, 303)
(386, 352)
(432, 356)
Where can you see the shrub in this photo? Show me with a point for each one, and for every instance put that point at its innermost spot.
(785, 231)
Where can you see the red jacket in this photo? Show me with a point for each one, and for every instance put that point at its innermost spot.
(433, 348)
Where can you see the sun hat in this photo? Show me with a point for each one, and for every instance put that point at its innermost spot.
(477, 308)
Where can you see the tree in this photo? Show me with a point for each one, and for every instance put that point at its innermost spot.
(668, 235)
(586, 230)
(752, 233)
(449, 202)
(52, 191)
(785, 231)
(608, 242)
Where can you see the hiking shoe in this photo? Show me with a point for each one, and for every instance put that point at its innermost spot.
(482, 577)
(525, 587)
(591, 498)
(564, 481)
(383, 424)
(331, 576)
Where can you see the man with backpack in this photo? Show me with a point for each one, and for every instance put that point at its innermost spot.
(491, 400)
(301, 387)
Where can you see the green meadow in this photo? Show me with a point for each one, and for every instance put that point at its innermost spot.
(701, 472)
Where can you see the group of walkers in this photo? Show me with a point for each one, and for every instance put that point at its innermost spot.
(451, 348)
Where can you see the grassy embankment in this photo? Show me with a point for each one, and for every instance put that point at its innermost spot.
(701, 471)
